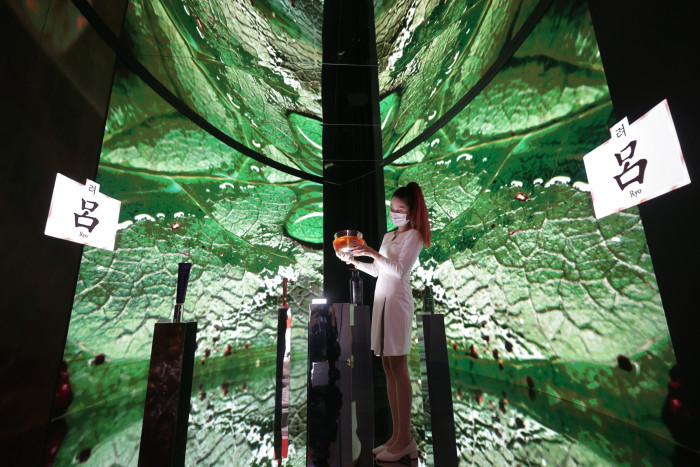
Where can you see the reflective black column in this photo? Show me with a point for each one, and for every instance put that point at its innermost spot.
(167, 407)
(55, 95)
(282, 381)
(440, 391)
(641, 70)
(340, 416)
(351, 136)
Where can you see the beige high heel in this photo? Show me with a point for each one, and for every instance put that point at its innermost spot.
(379, 449)
(410, 450)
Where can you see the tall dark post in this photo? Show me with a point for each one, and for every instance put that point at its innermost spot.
(55, 98)
(352, 144)
(167, 407)
(670, 223)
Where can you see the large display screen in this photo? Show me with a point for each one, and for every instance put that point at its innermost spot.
(558, 344)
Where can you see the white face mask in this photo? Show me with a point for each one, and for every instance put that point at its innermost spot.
(398, 219)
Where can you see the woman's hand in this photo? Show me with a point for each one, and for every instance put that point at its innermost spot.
(364, 250)
(347, 258)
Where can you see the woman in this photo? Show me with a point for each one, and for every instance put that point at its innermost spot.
(392, 314)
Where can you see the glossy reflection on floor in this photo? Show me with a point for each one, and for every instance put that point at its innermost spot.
(505, 412)
(497, 423)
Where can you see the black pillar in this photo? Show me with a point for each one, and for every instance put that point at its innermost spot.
(649, 51)
(442, 421)
(352, 143)
(55, 87)
(167, 408)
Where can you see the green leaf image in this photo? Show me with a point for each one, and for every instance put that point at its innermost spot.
(502, 419)
(243, 68)
(433, 52)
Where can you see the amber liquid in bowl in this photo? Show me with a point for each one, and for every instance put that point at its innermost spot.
(346, 243)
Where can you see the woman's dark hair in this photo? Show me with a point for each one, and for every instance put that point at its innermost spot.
(412, 195)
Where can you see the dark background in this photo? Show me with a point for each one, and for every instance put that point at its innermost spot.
(53, 112)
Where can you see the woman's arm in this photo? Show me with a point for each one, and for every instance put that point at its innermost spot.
(409, 253)
(369, 268)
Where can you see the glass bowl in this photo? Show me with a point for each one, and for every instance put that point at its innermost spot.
(345, 240)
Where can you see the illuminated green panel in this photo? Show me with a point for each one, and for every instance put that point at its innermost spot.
(433, 52)
(243, 67)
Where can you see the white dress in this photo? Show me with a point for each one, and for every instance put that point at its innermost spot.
(392, 314)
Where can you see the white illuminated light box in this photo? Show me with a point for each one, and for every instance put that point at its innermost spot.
(81, 214)
(641, 161)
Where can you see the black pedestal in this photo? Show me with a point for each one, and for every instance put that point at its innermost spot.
(167, 408)
(440, 392)
(282, 380)
(362, 381)
(340, 399)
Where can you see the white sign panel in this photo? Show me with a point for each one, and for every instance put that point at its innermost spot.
(81, 214)
(641, 161)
